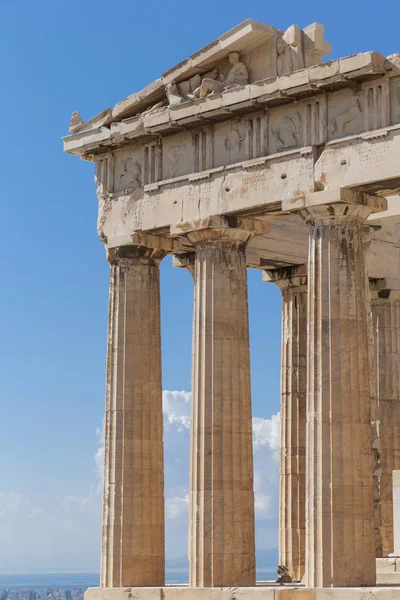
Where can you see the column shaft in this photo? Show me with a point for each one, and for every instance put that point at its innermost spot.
(133, 503)
(340, 547)
(386, 325)
(221, 506)
(293, 419)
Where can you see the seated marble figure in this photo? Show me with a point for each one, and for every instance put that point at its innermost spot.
(212, 82)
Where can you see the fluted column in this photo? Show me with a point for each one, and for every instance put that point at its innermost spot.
(386, 326)
(340, 546)
(221, 500)
(292, 494)
(133, 503)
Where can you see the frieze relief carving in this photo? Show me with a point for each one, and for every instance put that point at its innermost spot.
(129, 174)
(286, 131)
(128, 171)
(101, 179)
(347, 121)
(235, 139)
(105, 207)
(229, 142)
(178, 158)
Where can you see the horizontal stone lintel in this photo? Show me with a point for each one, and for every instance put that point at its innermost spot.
(263, 592)
(254, 226)
(385, 283)
(98, 132)
(274, 275)
(138, 238)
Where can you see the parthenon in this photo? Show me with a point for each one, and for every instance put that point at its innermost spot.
(253, 153)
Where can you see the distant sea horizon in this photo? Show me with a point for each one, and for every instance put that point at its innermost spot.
(49, 579)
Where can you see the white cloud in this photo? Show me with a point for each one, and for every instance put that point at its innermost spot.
(81, 503)
(76, 513)
(266, 432)
(266, 442)
(12, 503)
(176, 409)
(176, 506)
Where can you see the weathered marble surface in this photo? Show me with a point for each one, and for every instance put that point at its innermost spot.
(386, 326)
(245, 136)
(221, 497)
(259, 592)
(133, 501)
(340, 544)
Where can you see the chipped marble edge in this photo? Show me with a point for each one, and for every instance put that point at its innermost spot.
(314, 78)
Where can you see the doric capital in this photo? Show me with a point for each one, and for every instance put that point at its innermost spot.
(129, 256)
(335, 214)
(230, 230)
(289, 278)
(337, 206)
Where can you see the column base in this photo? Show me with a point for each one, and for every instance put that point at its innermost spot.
(263, 591)
(388, 570)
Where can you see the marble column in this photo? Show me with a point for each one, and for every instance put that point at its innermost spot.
(340, 545)
(386, 327)
(133, 503)
(292, 494)
(221, 499)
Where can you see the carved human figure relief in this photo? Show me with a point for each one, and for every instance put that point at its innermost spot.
(104, 210)
(175, 156)
(235, 139)
(340, 123)
(237, 76)
(129, 176)
(212, 82)
(286, 131)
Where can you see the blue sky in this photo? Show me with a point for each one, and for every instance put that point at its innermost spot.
(64, 55)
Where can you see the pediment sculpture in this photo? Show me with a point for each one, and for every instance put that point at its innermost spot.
(212, 82)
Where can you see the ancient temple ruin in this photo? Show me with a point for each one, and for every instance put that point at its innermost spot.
(254, 153)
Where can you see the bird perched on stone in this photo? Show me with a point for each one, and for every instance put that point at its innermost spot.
(283, 575)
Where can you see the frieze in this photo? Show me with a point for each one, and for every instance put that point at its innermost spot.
(367, 108)
(128, 171)
(285, 128)
(345, 114)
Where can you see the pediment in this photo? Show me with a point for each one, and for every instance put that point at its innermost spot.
(264, 52)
